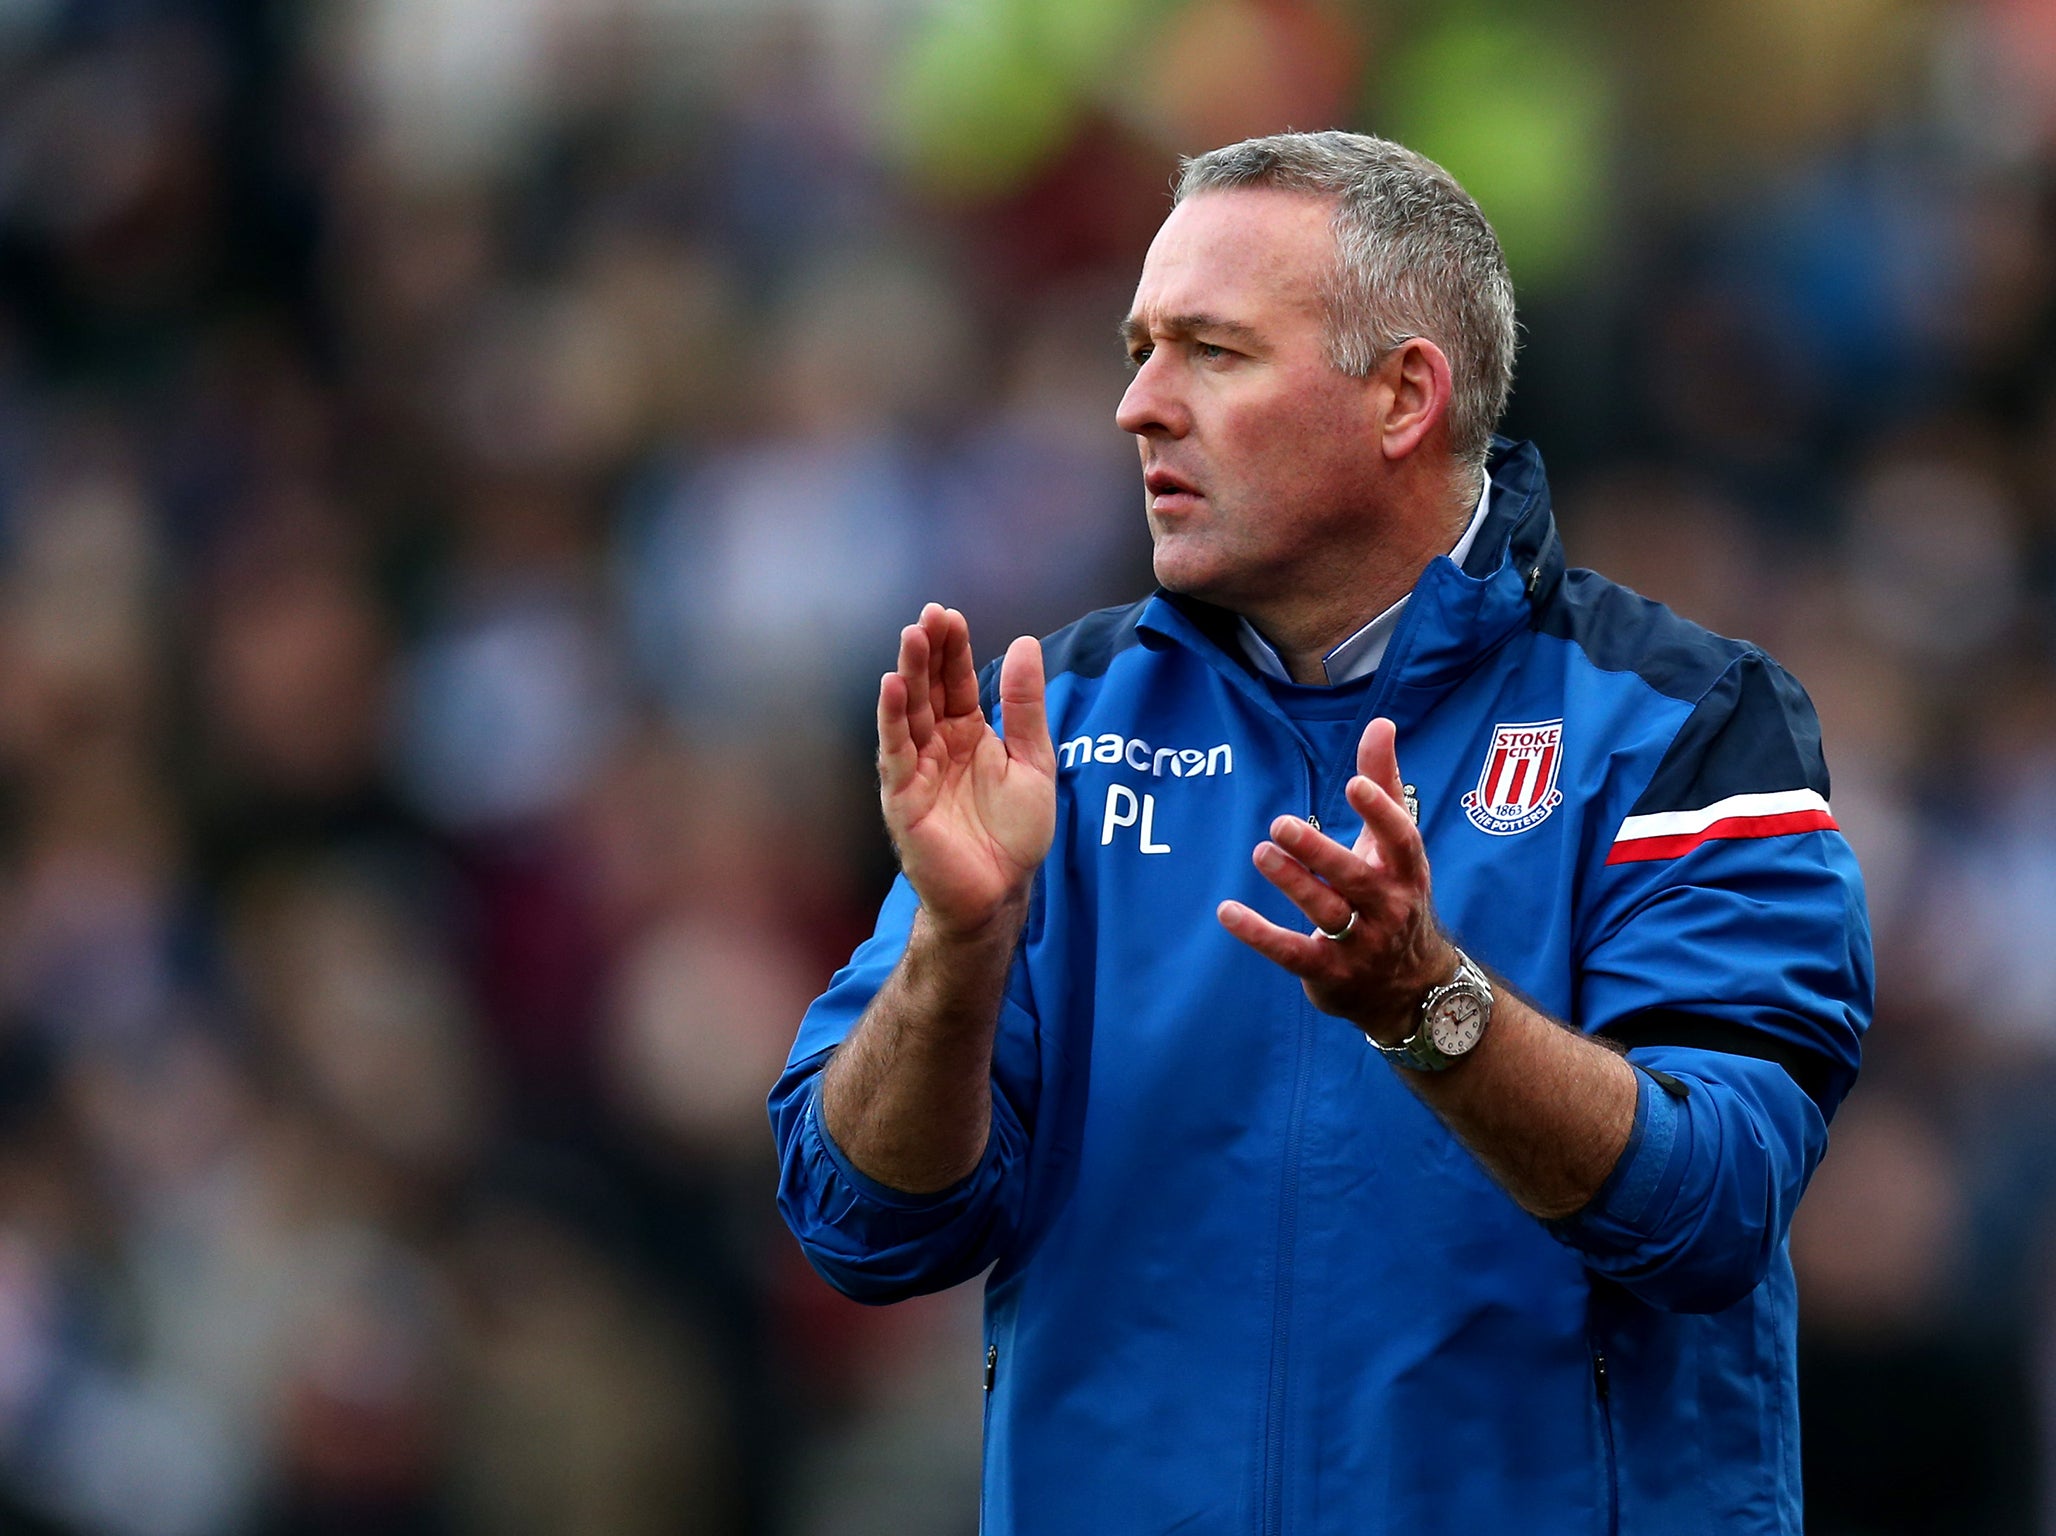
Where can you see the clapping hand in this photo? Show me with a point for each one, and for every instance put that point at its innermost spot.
(1379, 948)
(972, 814)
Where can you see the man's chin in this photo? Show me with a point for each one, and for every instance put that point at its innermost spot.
(1172, 579)
(1203, 579)
(1187, 571)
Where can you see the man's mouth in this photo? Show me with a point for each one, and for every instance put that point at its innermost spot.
(1169, 491)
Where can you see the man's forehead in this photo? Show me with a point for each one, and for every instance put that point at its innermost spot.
(1221, 252)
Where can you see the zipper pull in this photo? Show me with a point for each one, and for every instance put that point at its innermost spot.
(1313, 821)
(991, 1364)
(1599, 1378)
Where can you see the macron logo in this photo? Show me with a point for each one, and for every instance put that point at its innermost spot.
(1135, 753)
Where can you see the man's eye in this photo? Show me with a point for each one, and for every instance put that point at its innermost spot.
(1209, 352)
(1139, 356)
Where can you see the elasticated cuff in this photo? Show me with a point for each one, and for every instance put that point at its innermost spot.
(868, 1188)
(1643, 1181)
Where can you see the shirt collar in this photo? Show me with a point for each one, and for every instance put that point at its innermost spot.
(1359, 655)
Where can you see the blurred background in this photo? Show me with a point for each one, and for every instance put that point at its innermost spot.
(463, 464)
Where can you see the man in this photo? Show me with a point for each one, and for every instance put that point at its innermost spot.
(1316, 1198)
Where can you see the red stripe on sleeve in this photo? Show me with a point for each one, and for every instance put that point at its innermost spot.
(1636, 850)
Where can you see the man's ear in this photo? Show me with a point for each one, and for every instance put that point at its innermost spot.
(1415, 399)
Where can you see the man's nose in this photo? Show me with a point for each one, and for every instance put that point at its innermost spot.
(1150, 405)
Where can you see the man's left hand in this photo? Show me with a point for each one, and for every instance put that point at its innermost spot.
(1376, 974)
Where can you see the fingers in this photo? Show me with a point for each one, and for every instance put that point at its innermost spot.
(1021, 705)
(935, 660)
(896, 753)
(1383, 880)
(1361, 885)
(936, 679)
(1299, 953)
(935, 624)
(959, 673)
(1390, 829)
(1324, 906)
(913, 673)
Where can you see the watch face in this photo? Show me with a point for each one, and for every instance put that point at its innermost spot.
(1456, 1022)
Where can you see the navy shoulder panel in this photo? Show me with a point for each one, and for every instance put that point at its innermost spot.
(1622, 631)
(1088, 647)
(1753, 733)
(1085, 648)
(1752, 729)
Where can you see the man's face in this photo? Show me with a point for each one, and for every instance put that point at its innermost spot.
(1259, 459)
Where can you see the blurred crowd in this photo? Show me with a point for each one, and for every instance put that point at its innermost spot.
(462, 469)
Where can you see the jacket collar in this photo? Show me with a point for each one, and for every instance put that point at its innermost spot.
(1453, 617)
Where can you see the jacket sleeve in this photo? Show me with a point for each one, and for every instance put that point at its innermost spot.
(868, 1240)
(1724, 941)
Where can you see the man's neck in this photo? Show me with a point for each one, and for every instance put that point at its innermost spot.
(1303, 641)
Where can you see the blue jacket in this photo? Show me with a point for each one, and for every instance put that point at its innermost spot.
(1241, 1279)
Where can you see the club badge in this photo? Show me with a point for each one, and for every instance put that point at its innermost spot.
(1517, 789)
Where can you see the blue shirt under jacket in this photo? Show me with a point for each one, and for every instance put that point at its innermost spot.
(1242, 1282)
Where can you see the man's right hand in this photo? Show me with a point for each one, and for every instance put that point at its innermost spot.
(971, 813)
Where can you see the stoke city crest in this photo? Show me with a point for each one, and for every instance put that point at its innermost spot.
(1517, 786)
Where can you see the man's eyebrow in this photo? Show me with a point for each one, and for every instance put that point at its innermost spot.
(1135, 331)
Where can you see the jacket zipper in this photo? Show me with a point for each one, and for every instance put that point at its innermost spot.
(1281, 1310)
(1602, 1386)
(1273, 1523)
(985, 1514)
(1288, 1214)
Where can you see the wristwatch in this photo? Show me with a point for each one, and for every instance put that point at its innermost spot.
(1450, 1024)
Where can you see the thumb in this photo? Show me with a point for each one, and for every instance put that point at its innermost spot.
(1021, 705)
